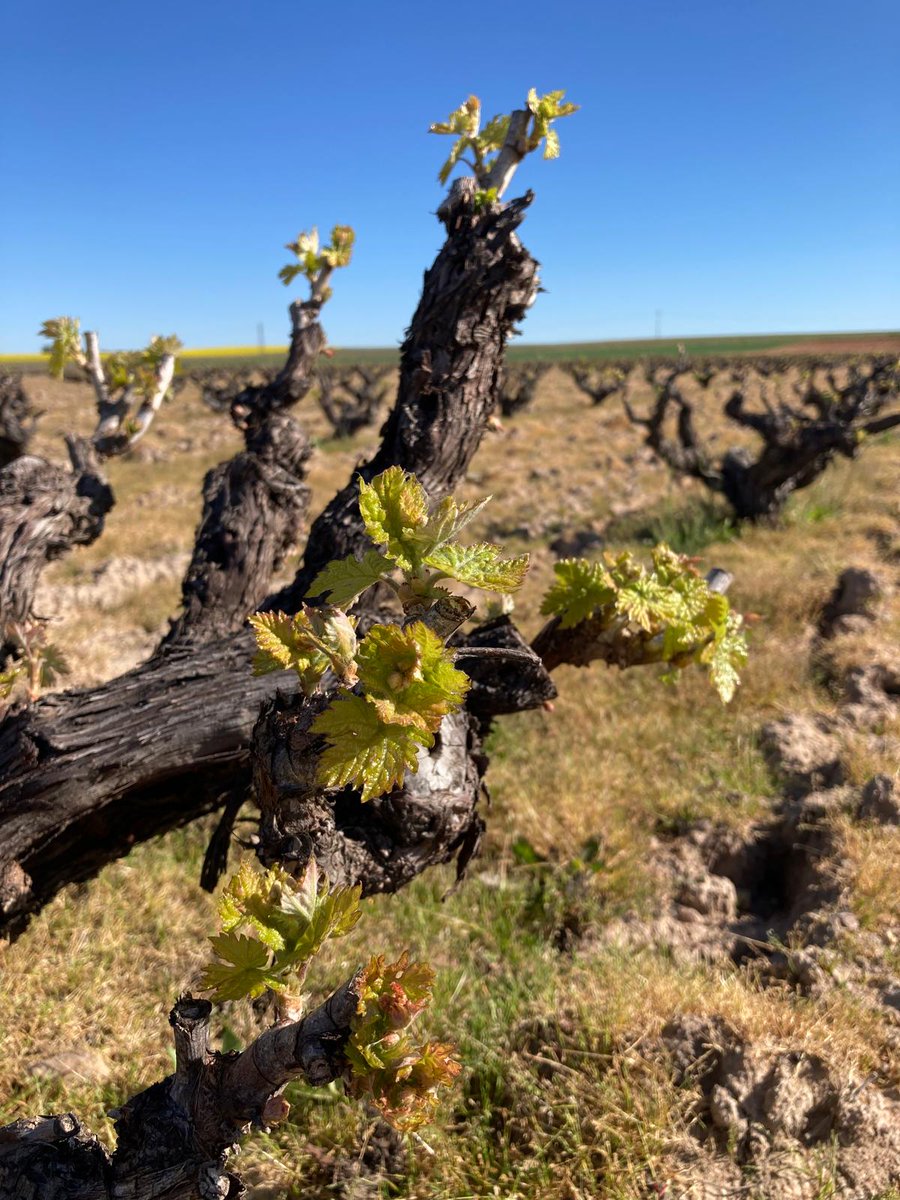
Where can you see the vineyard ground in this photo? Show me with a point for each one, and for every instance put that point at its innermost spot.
(567, 1090)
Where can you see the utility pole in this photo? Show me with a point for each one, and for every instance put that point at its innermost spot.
(657, 324)
(260, 335)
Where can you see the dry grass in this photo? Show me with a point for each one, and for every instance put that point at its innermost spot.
(619, 757)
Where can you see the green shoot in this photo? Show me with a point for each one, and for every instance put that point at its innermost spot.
(482, 145)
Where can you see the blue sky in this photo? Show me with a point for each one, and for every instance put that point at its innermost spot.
(735, 166)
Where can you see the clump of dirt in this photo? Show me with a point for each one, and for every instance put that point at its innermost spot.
(853, 604)
(764, 1105)
(732, 896)
(879, 801)
(867, 691)
(870, 693)
(803, 752)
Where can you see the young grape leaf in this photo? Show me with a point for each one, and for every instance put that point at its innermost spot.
(243, 971)
(581, 587)
(397, 1077)
(413, 672)
(65, 343)
(338, 253)
(448, 520)
(346, 578)
(311, 259)
(480, 566)
(310, 641)
(463, 121)
(546, 109)
(365, 752)
(646, 602)
(10, 678)
(725, 655)
(53, 664)
(394, 506)
(672, 616)
(290, 918)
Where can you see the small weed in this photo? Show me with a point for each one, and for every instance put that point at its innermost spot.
(687, 529)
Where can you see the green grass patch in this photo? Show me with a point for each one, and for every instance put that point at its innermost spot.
(686, 528)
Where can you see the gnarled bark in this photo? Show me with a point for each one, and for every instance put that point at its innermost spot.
(44, 511)
(87, 774)
(431, 819)
(383, 844)
(255, 505)
(254, 510)
(84, 775)
(17, 419)
(482, 283)
(175, 1138)
(797, 445)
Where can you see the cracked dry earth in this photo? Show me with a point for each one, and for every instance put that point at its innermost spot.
(774, 901)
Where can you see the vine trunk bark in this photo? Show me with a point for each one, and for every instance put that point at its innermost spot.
(87, 774)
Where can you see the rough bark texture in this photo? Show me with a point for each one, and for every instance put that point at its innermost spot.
(87, 774)
(450, 371)
(432, 819)
(255, 505)
(254, 510)
(17, 419)
(480, 285)
(383, 844)
(502, 686)
(84, 775)
(44, 511)
(174, 1139)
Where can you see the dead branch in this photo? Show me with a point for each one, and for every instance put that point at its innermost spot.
(687, 455)
(597, 383)
(351, 399)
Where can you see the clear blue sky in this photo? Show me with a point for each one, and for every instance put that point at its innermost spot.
(735, 165)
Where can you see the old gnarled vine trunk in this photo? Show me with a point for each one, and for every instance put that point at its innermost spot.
(86, 774)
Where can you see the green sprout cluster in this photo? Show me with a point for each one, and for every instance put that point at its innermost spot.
(273, 925)
(37, 664)
(402, 677)
(397, 1077)
(134, 370)
(665, 613)
(313, 259)
(483, 144)
(399, 682)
